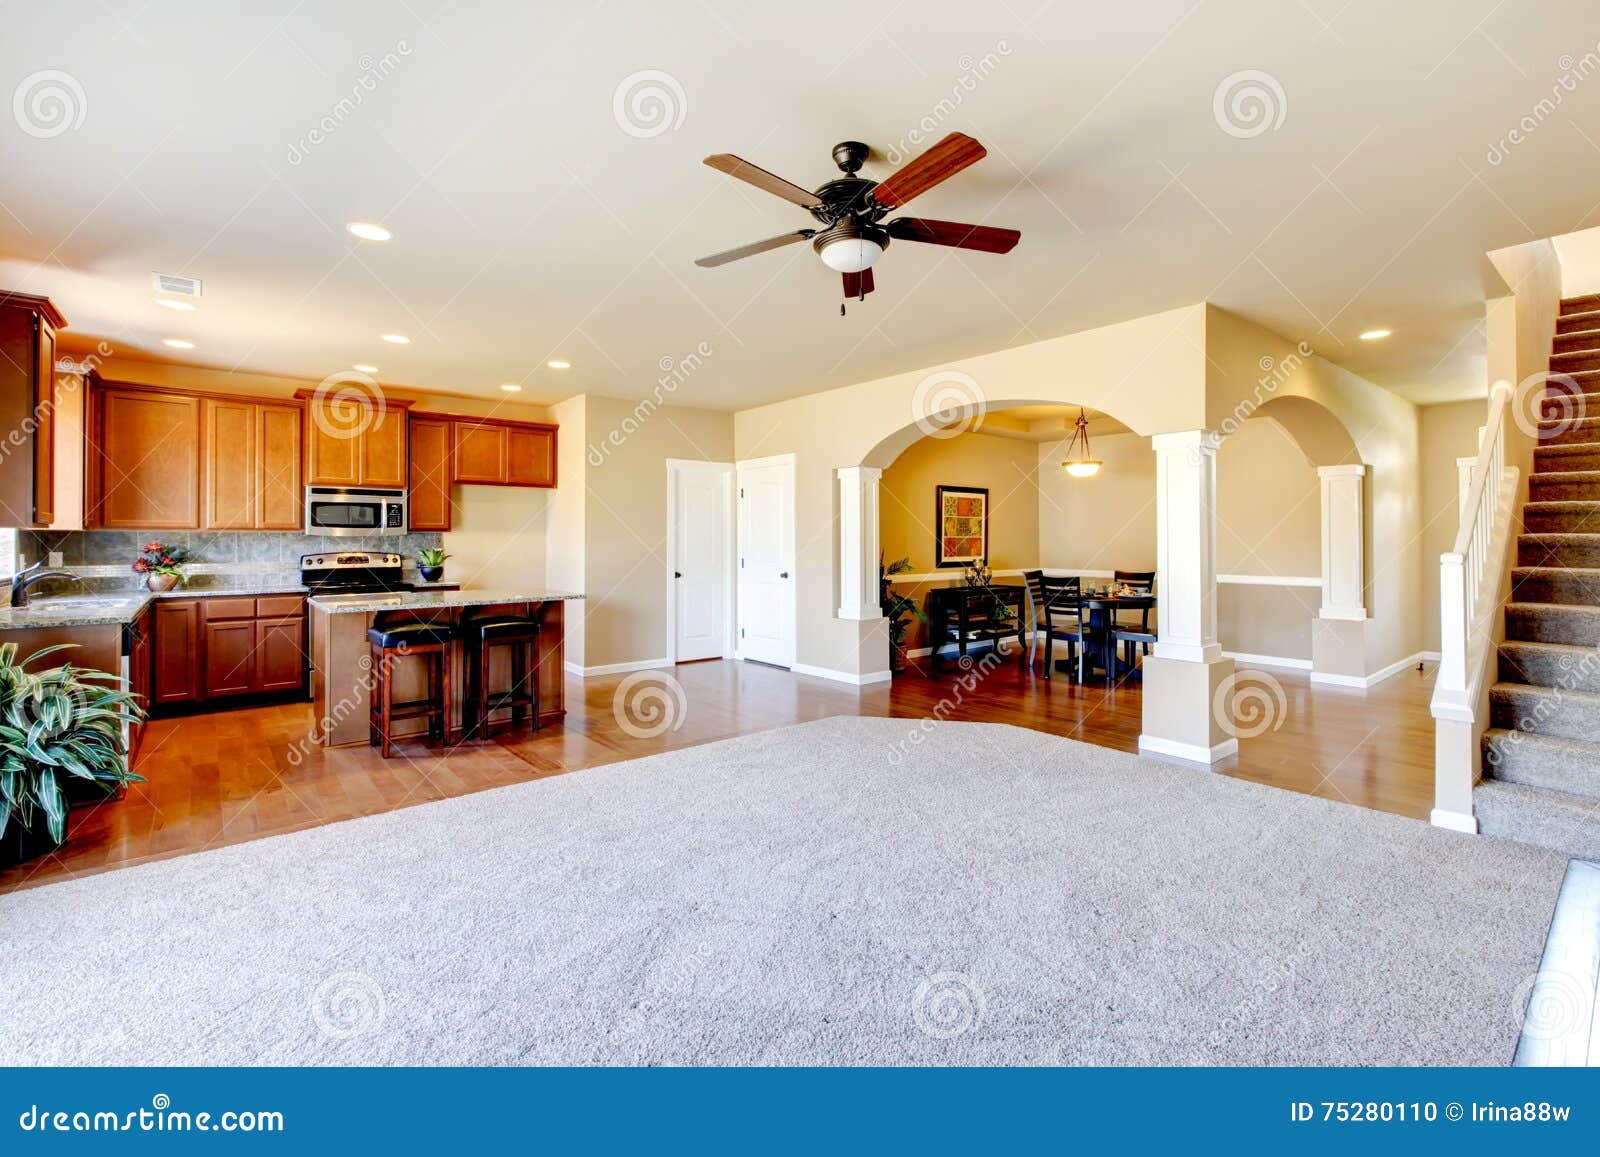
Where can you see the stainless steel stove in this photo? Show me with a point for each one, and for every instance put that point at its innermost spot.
(353, 572)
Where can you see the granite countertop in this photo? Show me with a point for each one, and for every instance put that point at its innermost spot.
(76, 611)
(237, 586)
(424, 600)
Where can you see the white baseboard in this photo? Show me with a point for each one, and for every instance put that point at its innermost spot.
(1453, 821)
(616, 668)
(1268, 661)
(843, 676)
(1194, 753)
(1363, 682)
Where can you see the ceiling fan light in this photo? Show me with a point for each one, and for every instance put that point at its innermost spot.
(851, 254)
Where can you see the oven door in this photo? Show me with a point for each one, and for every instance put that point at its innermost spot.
(340, 512)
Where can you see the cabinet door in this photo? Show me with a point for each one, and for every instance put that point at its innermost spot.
(280, 654)
(280, 496)
(383, 450)
(229, 448)
(333, 442)
(480, 452)
(430, 474)
(44, 426)
(149, 461)
(530, 456)
(176, 669)
(230, 661)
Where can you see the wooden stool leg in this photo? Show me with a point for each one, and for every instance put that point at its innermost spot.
(443, 700)
(373, 691)
(385, 705)
(485, 652)
(519, 676)
(533, 682)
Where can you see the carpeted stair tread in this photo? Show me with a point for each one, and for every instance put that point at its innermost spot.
(1552, 485)
(1559, 549)
(1562, 516)
(1581, 303)
(1556, 712)
(1550, 665)
(1567, 824)
(1561, 443)
(1553, 623)
(1579, 321)
(1573, 585)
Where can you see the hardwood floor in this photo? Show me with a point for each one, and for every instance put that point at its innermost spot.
(232, 776)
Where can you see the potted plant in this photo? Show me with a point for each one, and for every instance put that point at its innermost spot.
(898, 609)
(161, 565)
(61, 722)
(430, 563)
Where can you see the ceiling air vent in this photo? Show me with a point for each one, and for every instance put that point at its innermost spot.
(172, 285)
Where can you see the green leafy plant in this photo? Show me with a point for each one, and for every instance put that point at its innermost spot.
(431, 556)
(64, 721)
(897, 608)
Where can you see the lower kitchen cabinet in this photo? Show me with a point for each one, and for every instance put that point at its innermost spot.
(227, 646)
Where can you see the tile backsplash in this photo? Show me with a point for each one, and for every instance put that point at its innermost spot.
(240, 552)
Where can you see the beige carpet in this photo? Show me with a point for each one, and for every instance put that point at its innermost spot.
(823, 894)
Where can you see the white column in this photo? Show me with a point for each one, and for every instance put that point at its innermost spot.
(1186, 545)
(1343, 542)
(1187, 681)
(858, 542)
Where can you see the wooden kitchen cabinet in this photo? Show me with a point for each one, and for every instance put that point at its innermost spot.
(280, 654)
(230, 662)
(176, 648)
(430, 473)
(28, 327)
(144, 459)
(503, 453)
(251, 454)
(351, 443)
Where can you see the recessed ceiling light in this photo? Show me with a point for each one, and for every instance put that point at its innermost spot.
(558, 364)
(169, 303)
(369, 231)
(1376, 334)
(510, 387)
(396, 339)
(177, 343)
(364, 368)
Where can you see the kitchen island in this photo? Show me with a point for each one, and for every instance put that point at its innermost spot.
(341, 663)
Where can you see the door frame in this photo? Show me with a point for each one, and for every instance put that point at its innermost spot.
(730, 550)
(792, 603)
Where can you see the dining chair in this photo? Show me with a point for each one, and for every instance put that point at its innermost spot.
(1034, 581)
(1061, 605)
(1127, 635)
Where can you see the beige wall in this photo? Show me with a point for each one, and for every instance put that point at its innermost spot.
(498, 536)
(565, 524)
(1106, 522)
(624, 483)
(1448, 432)
(1005, 466)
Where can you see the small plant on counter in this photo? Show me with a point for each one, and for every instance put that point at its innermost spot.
(430, 562)
(60, 722)
(161, 565)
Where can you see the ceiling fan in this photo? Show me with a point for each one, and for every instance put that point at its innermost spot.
(851, 210)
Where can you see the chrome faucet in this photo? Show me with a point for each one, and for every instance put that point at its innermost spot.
(24, 581)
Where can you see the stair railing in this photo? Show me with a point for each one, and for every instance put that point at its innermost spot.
(1472, 579)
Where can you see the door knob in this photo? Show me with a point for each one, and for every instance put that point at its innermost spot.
(783, 574)
(677, 574)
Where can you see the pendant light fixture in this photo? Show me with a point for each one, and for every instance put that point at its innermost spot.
(1078, 462)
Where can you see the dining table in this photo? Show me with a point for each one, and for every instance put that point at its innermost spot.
(1104, 608)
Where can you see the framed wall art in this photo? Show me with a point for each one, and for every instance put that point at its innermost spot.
(962, 525)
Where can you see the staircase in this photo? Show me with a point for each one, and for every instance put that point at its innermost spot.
(1541, 755)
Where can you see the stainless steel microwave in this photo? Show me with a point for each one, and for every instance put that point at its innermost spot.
(355, 511)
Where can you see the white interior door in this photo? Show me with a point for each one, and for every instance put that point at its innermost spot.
(766, 560)
(700, 518)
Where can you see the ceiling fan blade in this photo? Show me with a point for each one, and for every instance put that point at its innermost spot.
(761, 179)
(753, 248)
(983, 238)
(943, 161)
(857, 285)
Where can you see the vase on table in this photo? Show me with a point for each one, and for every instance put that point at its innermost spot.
(160, 582)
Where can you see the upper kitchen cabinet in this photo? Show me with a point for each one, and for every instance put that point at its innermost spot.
(504, 453)
(430, 473)
(143, 459)
(251, 453)
(354, 442)
(28, 326)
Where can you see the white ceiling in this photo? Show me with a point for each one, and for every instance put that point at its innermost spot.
(530, 225)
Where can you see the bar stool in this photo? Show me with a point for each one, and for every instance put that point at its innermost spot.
(390, 644)
(481, 636)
